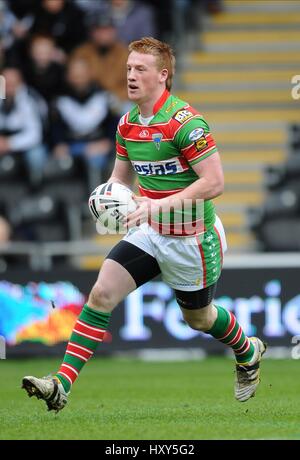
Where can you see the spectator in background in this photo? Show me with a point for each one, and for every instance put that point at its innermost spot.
(212, 6)
(23, 9)
(91, 7)
(181, 21)
(13, 31)
(41, 71)
(7, 23)
(164, 17)
(107, 57)
(21, 127)
(133, 19)
(82, 117)
(62, 20)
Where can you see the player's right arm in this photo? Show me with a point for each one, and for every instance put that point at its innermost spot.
(122, 173)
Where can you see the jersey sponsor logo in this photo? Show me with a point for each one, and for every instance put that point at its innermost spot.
(201, 144)
(183, 115)
(196, 134)
(158, 168)
(144, 133)
(157, 139)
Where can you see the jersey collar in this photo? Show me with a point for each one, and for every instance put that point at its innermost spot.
(158, 104)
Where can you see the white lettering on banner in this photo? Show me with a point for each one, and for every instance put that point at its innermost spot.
(171, 317)
(134, 328)
(163, 308)
(291, 315)
(174, 324)
(244, 308)
(273, 326)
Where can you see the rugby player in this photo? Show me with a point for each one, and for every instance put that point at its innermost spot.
(168, 144)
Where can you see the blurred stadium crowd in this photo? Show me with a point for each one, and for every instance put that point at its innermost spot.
(276, 223)
(65, 89)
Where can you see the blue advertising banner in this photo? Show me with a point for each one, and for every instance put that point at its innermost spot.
(38, 311)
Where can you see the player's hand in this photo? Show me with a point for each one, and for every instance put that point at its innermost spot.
(145, 208)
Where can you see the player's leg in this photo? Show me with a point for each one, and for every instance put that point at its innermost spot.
(114, 282)
(193, 270)
(121, 273)
(203, 315)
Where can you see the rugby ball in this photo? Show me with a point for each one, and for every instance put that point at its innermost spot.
(110, 204)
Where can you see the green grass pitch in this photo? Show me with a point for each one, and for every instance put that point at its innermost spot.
(134, 400)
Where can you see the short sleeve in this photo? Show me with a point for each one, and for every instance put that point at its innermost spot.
(194, 140)
(121, 149)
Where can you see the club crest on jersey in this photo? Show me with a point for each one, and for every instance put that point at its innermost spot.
(196, 134)
(144, 133)
(157, 139)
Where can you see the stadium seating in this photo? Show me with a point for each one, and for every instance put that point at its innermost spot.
(12, 181)
(277, 223)
(50, 211)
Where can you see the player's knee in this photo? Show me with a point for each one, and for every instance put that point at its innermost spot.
(199, 324)
(200, 320)
(101, 298)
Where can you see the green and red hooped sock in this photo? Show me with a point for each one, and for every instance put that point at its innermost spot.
(88, 332)
(227, 330)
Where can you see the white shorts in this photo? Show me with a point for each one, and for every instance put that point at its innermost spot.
(187, 263)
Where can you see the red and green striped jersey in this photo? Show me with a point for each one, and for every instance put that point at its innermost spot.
(163, 152)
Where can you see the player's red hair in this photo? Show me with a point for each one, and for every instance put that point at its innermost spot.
(162, 51)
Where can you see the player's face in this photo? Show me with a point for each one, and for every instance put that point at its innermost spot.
(143, 77)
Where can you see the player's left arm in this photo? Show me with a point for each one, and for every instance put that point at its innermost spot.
(198, 148)
(210, 183)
